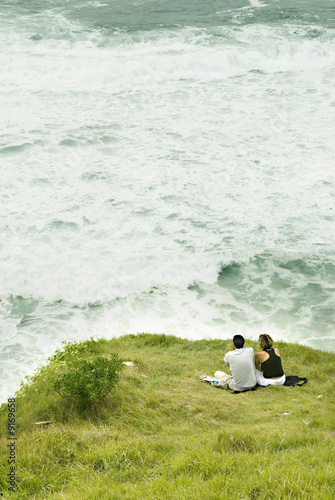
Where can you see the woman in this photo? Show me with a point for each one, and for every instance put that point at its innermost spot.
(269, 370)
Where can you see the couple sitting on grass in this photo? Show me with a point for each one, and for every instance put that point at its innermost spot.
(247, 371)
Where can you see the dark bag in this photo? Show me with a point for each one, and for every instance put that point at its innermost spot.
(292, 380)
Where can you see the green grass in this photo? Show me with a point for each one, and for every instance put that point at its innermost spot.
(161, 434)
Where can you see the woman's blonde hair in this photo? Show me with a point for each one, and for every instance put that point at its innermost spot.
(265, 341)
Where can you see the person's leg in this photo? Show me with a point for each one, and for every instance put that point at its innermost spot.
(276, 381)
(264, 382)
(225, 380)
(260, 379)
(219, 374)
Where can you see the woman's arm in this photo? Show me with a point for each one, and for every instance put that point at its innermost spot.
(257, 361)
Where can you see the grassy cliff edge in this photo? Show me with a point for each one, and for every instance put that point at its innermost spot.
(162, 434)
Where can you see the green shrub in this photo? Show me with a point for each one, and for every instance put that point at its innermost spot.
(62, 357)
(77, 372)
(89, 381)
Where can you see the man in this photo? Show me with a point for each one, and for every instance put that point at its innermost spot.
(241, 363)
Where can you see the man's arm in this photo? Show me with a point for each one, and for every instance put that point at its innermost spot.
(225, 359)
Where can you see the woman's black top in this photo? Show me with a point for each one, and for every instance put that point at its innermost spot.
(272, 367)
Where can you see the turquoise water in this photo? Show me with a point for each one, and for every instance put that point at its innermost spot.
(165, 168)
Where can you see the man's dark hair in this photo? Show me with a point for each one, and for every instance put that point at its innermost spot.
(238, 341)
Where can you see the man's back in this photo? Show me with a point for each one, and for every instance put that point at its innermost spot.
(242, 366)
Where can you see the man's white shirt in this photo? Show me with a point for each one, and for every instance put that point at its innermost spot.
(242, 366)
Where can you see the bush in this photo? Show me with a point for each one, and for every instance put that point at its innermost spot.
(89, 381)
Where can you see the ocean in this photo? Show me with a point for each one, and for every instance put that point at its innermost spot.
(165, 167)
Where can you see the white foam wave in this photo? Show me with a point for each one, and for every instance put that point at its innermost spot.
(79, 63)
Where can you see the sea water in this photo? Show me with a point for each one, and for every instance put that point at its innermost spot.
(166, 167)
